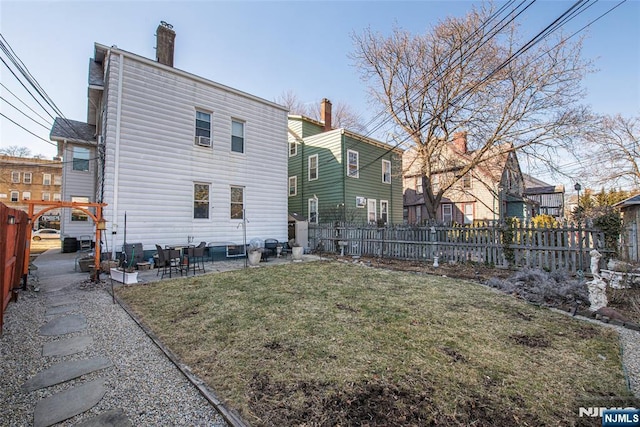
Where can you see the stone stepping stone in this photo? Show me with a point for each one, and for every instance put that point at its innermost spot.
(112, 418)
(61, 309)
(67, 346)
(67, 404)
(55, 302)
(64, 325)
(65, 371)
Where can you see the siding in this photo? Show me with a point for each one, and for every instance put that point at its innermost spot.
(158, 161)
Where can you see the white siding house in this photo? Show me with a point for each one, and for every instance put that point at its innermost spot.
(183, 155)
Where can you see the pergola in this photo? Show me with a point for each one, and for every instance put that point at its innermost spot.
(82, 206)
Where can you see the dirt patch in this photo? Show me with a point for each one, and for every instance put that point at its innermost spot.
(532, 341)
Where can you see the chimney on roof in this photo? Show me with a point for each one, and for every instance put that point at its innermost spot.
(165, 41)
(325, 113)
(460, 141)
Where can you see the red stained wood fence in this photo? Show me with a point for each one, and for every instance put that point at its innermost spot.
(13, 242)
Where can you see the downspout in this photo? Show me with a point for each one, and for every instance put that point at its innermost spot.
(116, 164)
(344, 177)
(63, 212)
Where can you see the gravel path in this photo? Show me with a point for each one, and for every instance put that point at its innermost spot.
(143, 382)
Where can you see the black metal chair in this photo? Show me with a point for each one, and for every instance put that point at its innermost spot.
(270, 246)
(195, 258)
(169, 261)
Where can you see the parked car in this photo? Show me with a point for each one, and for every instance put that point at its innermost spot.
(46, 233)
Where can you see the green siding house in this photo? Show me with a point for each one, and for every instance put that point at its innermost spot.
(338, 175)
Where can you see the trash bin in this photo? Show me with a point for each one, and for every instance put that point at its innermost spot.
(69, 244)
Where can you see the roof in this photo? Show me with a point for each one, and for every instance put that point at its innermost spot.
(633, 200)
(535, 186)
(72, 130)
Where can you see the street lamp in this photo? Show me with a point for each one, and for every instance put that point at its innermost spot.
(578, 187)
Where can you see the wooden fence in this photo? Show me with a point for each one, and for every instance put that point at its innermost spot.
(13, 232)
(565, 248)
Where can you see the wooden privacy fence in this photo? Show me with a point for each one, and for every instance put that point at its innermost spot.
(565, 248)
(13, 241)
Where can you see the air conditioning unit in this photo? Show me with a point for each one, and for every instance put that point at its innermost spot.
(203, 141)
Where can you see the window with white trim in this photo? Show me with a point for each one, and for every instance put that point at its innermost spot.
(468, 213)
(353, 160)
(293, 148)
(384, 210)
(313, 167)
(15, 177)
(27, 177)
(80, 159)
(203, 129)
(419, 185)
(46, 179)
(76, 214)
(56, 197)
(57, 180)
(201, 200)
(14, 196)
(26, 195)
(372, 213)
(237, 136)
(313, 210)
(447, 213)
(293, 185)
(466, 180)
(237, 202)
(46, 196)
(386, 171)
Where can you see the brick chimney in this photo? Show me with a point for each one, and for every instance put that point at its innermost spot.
(325, 113)
(165, 41)
(460, 141)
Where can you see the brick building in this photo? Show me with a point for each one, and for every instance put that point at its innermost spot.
(24, 178)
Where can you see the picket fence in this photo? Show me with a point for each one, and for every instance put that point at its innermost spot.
(565, 248)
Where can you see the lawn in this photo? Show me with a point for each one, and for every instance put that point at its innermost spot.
(331, 343)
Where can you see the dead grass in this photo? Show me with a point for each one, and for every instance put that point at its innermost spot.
(330, 343)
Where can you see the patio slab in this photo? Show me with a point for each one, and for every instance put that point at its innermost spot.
(60, 309)
(65, 371)
(67, 346)
(64, 325)
(112, 418)
(61, 406)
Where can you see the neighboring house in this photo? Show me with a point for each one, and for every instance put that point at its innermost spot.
(338, 175)
(630, 236)
(491, 191)
(182, 158)
(549, 198)
(25, 178)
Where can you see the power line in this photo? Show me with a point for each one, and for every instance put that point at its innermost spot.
(23, 103)
(27, 130)
(24, 114)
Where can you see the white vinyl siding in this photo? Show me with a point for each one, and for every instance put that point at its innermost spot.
(353, 161)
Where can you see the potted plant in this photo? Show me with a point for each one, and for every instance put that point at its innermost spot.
(254, 253)
(126, 275)
(296, 250)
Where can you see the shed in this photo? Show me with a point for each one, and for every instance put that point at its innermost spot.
(630, 238)
(299, 229)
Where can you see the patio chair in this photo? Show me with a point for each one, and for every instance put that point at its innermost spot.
(195, 257)
(270, 246)
(169, 261)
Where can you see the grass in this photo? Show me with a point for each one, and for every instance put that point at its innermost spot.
(339, 344)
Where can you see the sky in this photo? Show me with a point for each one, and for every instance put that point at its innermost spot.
(267, 48)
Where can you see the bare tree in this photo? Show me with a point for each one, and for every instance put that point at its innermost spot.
(466, 76)
(614, 142)
(343, 115)
(15, 151)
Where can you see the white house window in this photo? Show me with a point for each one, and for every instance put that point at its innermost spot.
(46, 196)
(352, 164)
(76, 214)
(372, 213)
(313, 167)
(26, 178)
(57, 180)
(14, 196)
(313, 211)
(419, 185)
(447, 212)
(56, 197)
(468, 213)
(80, 159)
(26, 195)
(203, 129)
(386, 171)
(200, 200)
(237, 202)
(293, 185)
(384, 210)
(293, 148)
(15, 177)
(46, 179)
(237, 136)
(466, 180)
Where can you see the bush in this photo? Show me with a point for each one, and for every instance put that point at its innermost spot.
(538, 286)
(611, 224)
